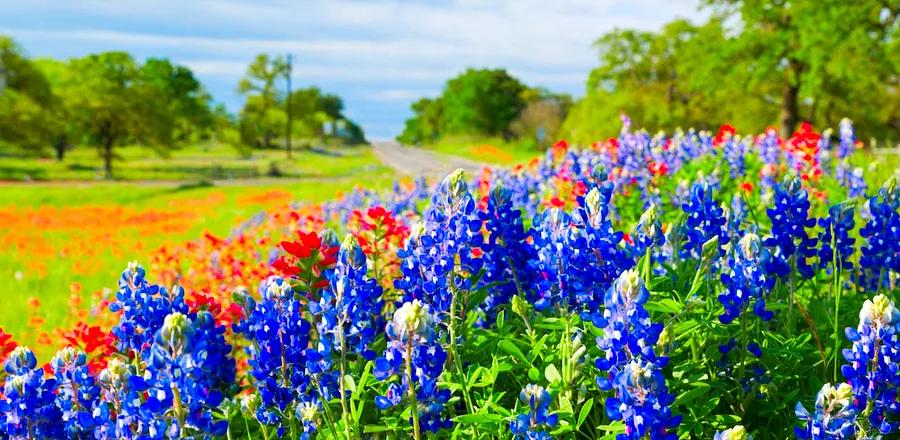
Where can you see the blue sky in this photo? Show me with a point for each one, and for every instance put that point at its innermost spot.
(378, 55)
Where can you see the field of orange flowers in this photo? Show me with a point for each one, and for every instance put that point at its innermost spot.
(61, 244)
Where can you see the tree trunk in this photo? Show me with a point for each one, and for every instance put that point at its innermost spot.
(790, 97)
(107, 155)
(60, 147)
(790, 112)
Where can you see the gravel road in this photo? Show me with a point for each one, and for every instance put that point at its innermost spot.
(421, 162)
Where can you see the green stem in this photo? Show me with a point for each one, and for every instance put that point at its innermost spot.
(457, 362)
(413, 402)
(179, 411)
(837, 302)
(345, 415)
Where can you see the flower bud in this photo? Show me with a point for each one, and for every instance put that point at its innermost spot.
(308, 412)
(351, 252)
(533, 394)
(749, 246)
(736, 433)
(175, 328)
(20, 360)
(455, 185)
(67, 358)
(413, 318)
(879, 312)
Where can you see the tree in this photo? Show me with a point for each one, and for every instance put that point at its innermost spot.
(24, 95)
(425, 125)
(186, 110)
(260, 116)
(542, 118)
(115, 104)
(481, 102)
(822, 55)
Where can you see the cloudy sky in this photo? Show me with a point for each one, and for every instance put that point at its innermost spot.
(378, 55)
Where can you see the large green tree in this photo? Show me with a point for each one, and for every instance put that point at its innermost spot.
(262, 117)
(827, 58)
(186, 107)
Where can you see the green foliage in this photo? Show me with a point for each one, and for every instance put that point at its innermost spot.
(478, 102)
(807, 56)
(24, 93)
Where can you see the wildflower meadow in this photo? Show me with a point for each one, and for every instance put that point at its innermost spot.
(695, 284)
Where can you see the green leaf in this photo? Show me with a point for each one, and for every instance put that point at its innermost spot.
(478, 418)
(664, 305)
(370, 429)
(552, 374)
(583, 413)
(534, 374)
(512, 349)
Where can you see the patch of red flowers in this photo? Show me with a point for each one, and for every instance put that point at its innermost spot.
(380, 233)
(7, 345)
(726, 132)
(97, 345)
(306, 261)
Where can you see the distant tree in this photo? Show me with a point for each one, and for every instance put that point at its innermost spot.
(425, 125)
(186, 110)
(481, 102)
(541, 119)
(262, 117)
(25, 94)
(114, 103)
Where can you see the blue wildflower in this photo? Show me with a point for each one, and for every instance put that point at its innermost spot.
(77, 391)
(28, 407)
(789, 239)
(746, 280)
(414, 354)
(881, 253)
(534, 424)
(834, 417)
(630, 367)
(705, 221)
(837, 228)
(872, 370)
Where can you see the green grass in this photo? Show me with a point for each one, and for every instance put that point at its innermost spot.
(197, 162)
(494, 151)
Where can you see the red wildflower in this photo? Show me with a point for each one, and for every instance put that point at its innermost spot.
(726, 132)
(747, 187)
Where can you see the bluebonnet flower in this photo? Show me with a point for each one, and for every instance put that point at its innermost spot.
(550, 234)
(444, 251)
(506, 269)
(308, 413)
(349, 311)
(596, 258)
(727, 369)
(28, 406)
(77, 391)
(856, 183)
(736, 433)
(633, 370)
(414, 354)
(872, 370)
(705, 221)
(648, 233)
(143, 308)
(746, 280)
(834, 417)
(534, 424)
(881, 253)
(118, 413)
(279, 339)
(789, 239)
(188, 373)
(837, 227)
(734, 149)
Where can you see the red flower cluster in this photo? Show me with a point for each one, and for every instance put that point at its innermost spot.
(7, 345)
(305, 262)
(97, 345)
(804, 145)
(726, 132)
(380, 234)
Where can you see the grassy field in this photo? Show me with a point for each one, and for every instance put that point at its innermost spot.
(494, 151)
(61, 238)
(197, 162)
